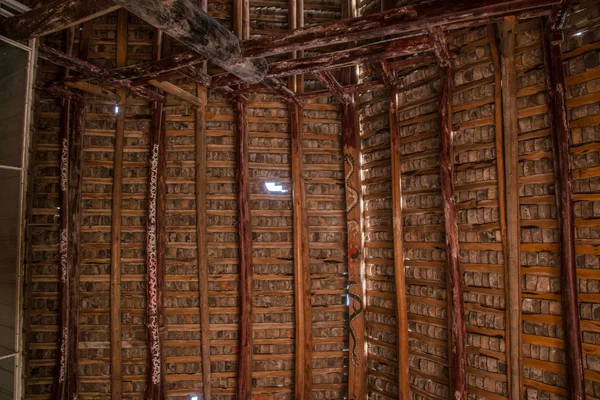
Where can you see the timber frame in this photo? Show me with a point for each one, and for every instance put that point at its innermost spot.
(384, 47)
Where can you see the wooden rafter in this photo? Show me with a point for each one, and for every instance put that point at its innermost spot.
(513, 230)
(53, 17)
(81, 66)
(456, 319)
(333, 86)
(184, 21)
(563, 170)
(280, 89)
(367, 53)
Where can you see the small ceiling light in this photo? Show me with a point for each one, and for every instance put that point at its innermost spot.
(274, 187)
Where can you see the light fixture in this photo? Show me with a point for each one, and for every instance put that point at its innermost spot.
(116, 110)
(194, 397)
(273, 187)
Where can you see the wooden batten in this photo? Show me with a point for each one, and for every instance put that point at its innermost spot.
(402, 330)
(116, 339)
(513, 230)
(456, 317)
(561, 139)
(244, 380)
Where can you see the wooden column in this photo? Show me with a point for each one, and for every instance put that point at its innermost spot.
(399, 271)
(456, 317)
(513, 230)
(77, 126)
(155, 252)
(77, 130)
(116, 369)
(501, 173)
(201, 230)
(63, 337)
(244, 384)
(561, 139)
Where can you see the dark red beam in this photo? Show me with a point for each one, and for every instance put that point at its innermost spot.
(561, 139)
(401, 20)
(457, 315)
(368, 53)
(53, 17)
(106, 76)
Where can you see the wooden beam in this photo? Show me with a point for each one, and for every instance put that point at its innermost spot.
(244, 380)
(456, 318)
(367, 53)
(154, 261)
(94, 90)
(501, 178)
(154, 68)
(63, 248)
(334, 87)
(177, 92)
(77, 126)
(197, 75)
(563, 171)
(386, 73)
(81, 66)
(513, 229)
(54, 17)
(399, 270)
(186, 22)
(280, 89)
(402, 20)
(116, 340)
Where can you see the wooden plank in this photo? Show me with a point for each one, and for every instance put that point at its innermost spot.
(563, 170)
(456, 320)
(184, 21)
(513, 230)
(399, 271)
(244, 380)
(54, 17)
(176, 91)
(116, 368)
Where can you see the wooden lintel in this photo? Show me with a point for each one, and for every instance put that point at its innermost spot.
(53, 17)
(184, 21)
(280, 89)
(456, 318)
(176, 91)
(513, 229)
(343, 58)
(94, 90)
(402, 20)
(244, 379)
(333, 86)
(563, 171)
(402, 329)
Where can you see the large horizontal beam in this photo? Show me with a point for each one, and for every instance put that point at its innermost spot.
(188, 23)
(53, 17)
(106, 76)
(344, 58)
(401, 20)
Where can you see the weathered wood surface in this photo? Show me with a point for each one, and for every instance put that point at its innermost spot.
(154, 253)
(563, 171)
(107, 76)
(401, 20)
(53, 17)
(245, 254)
(77, 125)
(334, 87)
(176, 91)
(456, 318)
(513, 230)
(280, 89)
(367, 53)
(402, 330)
(186, 22)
